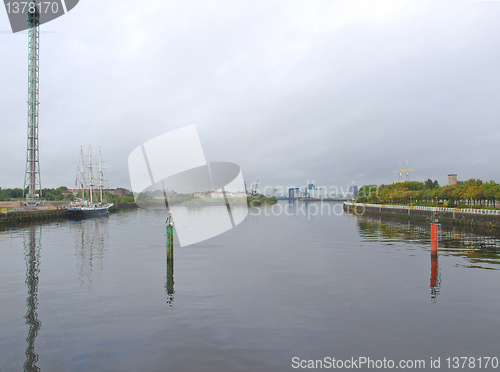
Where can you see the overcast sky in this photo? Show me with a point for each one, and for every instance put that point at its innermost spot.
(333, 92)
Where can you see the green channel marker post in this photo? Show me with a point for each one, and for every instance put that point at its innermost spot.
(169, 235)
(170, 243)
(170, 239)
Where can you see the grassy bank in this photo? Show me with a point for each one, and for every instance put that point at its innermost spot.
(256, 200)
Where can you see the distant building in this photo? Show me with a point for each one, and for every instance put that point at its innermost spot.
(452, 179)
(229, 194)
(119, 192)
(309, 189)
(293, 193)
(353, 190)
(70, 191)
(238, 194)
(318, 193)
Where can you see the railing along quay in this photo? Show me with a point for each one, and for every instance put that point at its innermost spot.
(495, 212)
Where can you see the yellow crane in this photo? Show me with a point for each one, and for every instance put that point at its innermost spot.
(400, 171)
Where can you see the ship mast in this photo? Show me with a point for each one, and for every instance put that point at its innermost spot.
(82, 173)
(100, 173)
(90, 174)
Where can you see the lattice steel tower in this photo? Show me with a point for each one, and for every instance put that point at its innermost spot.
(32, 179)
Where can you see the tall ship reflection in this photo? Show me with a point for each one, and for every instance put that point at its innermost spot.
(92, 237)
(32, 257)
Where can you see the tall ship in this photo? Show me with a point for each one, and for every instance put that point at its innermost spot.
(90, 178)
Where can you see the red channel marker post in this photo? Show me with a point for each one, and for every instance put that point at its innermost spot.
(434, 238)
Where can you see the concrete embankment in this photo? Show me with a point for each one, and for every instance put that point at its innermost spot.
(120, 206)
(455, 216)
(44, 204)
(322, 200)
(14, 213)
(30, 215)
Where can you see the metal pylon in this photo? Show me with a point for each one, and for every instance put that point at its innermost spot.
(32, 178)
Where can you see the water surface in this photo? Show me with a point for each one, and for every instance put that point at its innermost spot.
(98, 295)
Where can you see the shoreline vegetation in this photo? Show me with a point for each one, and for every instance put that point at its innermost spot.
(467, 203)
(258, 199)
(61, 193)
(473, 193)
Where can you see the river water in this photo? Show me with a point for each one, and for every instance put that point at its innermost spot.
(278, 290)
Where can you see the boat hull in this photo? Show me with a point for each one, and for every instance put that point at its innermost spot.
(86, 212)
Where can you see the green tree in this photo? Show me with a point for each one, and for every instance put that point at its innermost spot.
(470, 190)
(429, 184)
(367, 194)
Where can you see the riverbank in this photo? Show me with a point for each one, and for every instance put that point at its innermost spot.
(322, 200)
(13, 213)
(256, 200)
(18, 216)
(119, 206)
(453, 216)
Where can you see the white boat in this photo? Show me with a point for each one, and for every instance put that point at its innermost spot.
(93, 200)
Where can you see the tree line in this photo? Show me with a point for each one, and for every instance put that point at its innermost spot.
(58, 194)
(473, 192)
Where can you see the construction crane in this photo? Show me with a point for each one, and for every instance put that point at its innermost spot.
(254, 188)
(400, 171)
